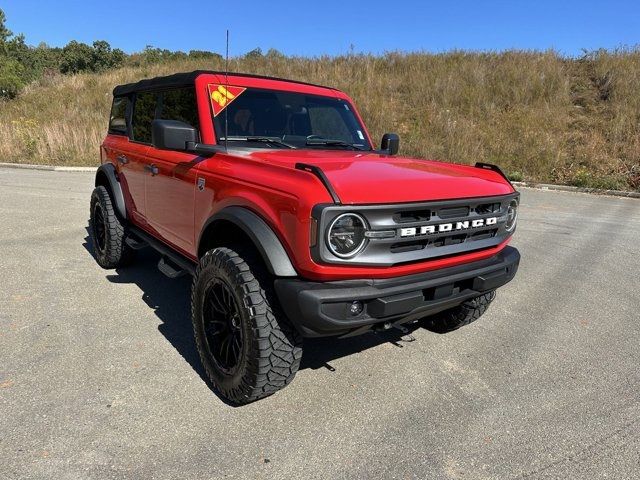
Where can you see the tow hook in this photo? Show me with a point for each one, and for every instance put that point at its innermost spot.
(406, 336)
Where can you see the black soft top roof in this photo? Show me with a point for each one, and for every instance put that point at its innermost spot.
(186, 79)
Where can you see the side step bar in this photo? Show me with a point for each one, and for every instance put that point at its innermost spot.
(135, 243)
(167, 267)
(172, 264)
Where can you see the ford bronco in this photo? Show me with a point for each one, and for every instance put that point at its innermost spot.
(269, 192)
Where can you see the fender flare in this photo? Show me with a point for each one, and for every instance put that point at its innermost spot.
(109, 171)
(273, 253)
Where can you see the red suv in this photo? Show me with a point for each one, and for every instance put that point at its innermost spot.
(269, 192)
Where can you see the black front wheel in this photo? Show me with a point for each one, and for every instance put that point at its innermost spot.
(107, 231)
(247, 346)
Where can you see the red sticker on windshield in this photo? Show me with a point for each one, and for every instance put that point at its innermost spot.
(222, 95)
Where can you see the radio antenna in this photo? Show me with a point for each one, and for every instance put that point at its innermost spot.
(226, 88)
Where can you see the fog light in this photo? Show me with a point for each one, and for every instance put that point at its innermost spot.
(356, 308)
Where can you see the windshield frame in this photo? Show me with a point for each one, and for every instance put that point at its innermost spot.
(365, 144)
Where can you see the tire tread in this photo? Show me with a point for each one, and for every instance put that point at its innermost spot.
(276, 345)
(117, 253)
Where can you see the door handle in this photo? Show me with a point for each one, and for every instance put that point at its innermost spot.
(151, 168)
(123, 160)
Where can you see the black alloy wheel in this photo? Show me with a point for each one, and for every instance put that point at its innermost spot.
(222, 326)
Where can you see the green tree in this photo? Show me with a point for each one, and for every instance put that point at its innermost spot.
(5, 33)
(11, 77)
(255, 53)
(11, 71)
(204, 54)
(103, 57)
(76, 57)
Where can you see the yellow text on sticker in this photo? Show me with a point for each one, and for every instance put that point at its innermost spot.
(222, 96)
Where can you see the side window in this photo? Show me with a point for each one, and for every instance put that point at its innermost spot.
(180, 104)
(118, 117)
(144, 111)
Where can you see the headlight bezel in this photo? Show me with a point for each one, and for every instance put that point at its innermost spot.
(513, 207)
(360, 246)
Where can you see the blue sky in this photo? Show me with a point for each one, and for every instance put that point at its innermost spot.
(331, 27)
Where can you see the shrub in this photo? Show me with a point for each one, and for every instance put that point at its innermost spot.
(11, 77)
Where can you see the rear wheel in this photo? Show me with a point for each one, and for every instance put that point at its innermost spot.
(247, 346)
(107, 232)
(461, 315)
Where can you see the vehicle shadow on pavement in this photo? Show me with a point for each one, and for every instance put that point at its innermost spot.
(170, 300)
(320, 352)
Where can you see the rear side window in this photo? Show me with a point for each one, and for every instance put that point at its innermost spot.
(180, 104)
(118, 117)
(144, 111)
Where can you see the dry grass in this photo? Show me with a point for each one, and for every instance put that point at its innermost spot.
(540, 116)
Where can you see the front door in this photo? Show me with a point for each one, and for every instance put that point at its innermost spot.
(170, 197)
(171, 183)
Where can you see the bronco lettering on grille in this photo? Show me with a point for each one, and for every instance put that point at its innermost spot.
(447, 227)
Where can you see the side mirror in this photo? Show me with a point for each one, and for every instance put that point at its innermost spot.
(390, 143)
(172, 134)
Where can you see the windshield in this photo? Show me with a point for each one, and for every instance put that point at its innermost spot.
(273, 119)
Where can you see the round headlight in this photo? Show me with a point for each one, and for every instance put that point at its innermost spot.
(512, 216)
(345, 236)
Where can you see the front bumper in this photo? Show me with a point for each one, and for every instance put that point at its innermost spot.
(322, 308)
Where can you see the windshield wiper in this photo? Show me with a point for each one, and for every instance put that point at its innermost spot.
(273, 140)
(333, 143)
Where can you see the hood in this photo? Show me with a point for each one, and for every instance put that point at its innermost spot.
(367, 178)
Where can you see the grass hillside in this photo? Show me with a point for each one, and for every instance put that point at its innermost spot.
(540, 116)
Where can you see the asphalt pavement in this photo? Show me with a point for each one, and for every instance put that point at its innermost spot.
(99, 377)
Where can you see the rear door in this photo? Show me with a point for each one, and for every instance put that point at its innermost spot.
(134, 163)
(127, 156)
(171, 188)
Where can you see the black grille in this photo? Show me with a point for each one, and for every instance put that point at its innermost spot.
(442, 241)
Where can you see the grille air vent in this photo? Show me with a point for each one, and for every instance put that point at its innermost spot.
(412, 216)
(453, 212)
(488, 208)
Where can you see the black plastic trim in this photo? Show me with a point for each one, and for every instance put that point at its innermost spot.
(317, 171)
(495, 168)
(262, 236)
(321, 308)
(180, 260)
(189, 78)
(114, 184)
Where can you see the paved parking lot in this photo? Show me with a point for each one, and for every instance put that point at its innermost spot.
(99, 377)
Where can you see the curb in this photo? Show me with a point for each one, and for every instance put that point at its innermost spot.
(539, 186)
(49, 168)
(569, 188)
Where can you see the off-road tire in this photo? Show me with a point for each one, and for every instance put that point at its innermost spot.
(107, 232)
(271, 348)
(459, 316)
